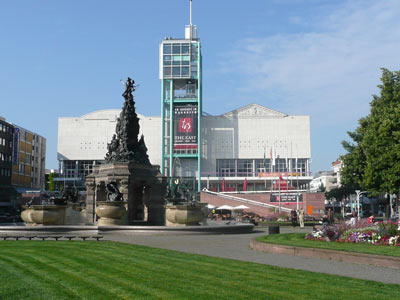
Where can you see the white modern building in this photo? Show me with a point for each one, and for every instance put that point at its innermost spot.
(337, 167)
(252, 142)
(82, 141)
(323, 182)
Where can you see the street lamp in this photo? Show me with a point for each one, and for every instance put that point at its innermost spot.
(358, 192)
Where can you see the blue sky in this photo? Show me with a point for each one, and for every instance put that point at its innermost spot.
(307, 57)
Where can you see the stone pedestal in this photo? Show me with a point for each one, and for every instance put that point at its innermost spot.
(111, 213)
(184, 215)
(37, 215)
(142, 187)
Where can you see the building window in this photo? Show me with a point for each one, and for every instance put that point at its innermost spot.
(226, 167)
(167, 49)
(263, 165)
(244, 167)
(176, 71)
(301, 166)
(185, 71)
(176, 48)
(167, 71)
(185, 48)
(280, 165)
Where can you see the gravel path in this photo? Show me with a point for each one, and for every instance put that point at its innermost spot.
(236, 246)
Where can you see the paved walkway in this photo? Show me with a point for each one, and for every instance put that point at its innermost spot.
(236, 246)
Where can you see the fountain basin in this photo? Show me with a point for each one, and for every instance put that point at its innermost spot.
(110, 213)
(184, 214)
(37, 215)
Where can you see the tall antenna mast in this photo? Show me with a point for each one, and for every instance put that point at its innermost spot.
(191, 26)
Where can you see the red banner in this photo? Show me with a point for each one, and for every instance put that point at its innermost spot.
(185, 127)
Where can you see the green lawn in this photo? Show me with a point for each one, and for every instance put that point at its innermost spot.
(108, 270)
(297, 239)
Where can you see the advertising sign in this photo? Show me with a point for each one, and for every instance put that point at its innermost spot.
(289, 198)
(185, 127)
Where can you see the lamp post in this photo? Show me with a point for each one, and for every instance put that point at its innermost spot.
(392, 204)
(358, 192)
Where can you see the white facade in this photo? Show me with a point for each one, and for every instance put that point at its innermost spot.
(323, 183)
(253, 131)
(86, 137)
(245, 139)
(337, 167)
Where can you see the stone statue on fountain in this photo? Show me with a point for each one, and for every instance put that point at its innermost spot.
(125, 146)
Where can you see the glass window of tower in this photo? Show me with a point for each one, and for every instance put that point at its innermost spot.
(167, 71)
(176, 49)
(185, 71)
(167, 49)
(194, 51)
(176, 71)
(185, 48)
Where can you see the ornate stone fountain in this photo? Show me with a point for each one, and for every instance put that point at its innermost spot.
(140, 184)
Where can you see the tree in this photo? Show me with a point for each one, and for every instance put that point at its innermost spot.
(339, 193)
(51, 182)
(372, 161)
(381, 142)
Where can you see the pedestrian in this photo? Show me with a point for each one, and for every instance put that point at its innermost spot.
(330, 217)
(301, 217)
(293, 216)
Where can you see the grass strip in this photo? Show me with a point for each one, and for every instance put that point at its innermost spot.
(297, 239)
(108, 270)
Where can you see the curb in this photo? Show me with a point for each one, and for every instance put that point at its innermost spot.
(127, 229)
(358, 258)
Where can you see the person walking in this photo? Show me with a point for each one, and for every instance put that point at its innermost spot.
(293, 216)
(330, 217)
(301, 217)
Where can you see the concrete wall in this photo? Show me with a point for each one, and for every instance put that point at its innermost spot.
(86, 137)
(316, 200)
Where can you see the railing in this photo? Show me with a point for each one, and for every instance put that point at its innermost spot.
(243, 200)
(292, 175)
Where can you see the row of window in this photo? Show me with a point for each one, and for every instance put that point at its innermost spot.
(5, 128)
(82, 168)
(5, 172)
(5, 157)
(5, 143)
(253, 167)
(178, 71)
(176, 48)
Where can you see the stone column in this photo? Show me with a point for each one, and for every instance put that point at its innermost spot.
(90, 199)
(155, 202)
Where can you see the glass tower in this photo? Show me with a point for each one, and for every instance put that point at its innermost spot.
(181, 105)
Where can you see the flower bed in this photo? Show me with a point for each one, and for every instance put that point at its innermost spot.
(376, 234)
